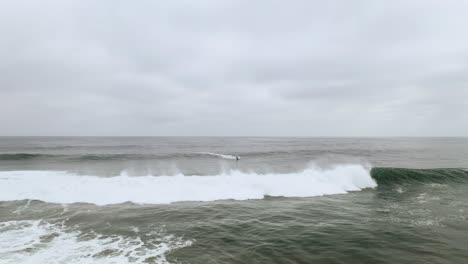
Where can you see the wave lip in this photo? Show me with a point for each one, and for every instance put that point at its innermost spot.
(62, 187)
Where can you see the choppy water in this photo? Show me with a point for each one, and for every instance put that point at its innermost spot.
(187, 200)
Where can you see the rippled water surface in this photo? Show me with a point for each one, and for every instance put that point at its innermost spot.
(187, 200)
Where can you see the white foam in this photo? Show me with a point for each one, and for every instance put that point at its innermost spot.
(223, 156)
(63, 187)
(40, 242)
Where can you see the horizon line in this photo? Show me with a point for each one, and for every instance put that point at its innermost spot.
(225, 136)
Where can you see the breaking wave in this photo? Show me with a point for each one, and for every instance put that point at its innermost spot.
(63, 187)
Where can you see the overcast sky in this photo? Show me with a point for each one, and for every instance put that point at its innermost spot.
(238, 68)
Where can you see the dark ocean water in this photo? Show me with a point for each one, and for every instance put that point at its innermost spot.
(187, 200)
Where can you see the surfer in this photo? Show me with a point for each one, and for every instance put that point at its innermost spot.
(237, 158)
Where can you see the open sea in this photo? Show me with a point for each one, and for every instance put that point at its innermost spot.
(188, 200)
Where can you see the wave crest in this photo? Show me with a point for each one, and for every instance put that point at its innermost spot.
(223, 156)
(63, 187)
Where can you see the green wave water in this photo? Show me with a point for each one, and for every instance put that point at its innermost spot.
(385, 176)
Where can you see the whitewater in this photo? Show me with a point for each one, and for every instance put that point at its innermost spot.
(65, 187)
(49, 243)
(219, 155)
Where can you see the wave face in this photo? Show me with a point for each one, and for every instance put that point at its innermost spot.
(63, 187)
(384, 176)
(21, 156)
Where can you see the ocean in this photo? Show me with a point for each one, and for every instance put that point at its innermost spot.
(188, 200)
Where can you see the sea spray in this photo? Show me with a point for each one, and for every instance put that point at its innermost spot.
(63, 187)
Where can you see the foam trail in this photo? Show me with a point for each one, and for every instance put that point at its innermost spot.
(40, 242)
(62, 187)
(223, 156)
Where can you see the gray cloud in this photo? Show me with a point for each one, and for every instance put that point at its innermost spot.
(275, 68)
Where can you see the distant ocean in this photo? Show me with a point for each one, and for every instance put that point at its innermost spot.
(188, 200)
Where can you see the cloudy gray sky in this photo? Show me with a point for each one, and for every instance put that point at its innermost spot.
(261, 68)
